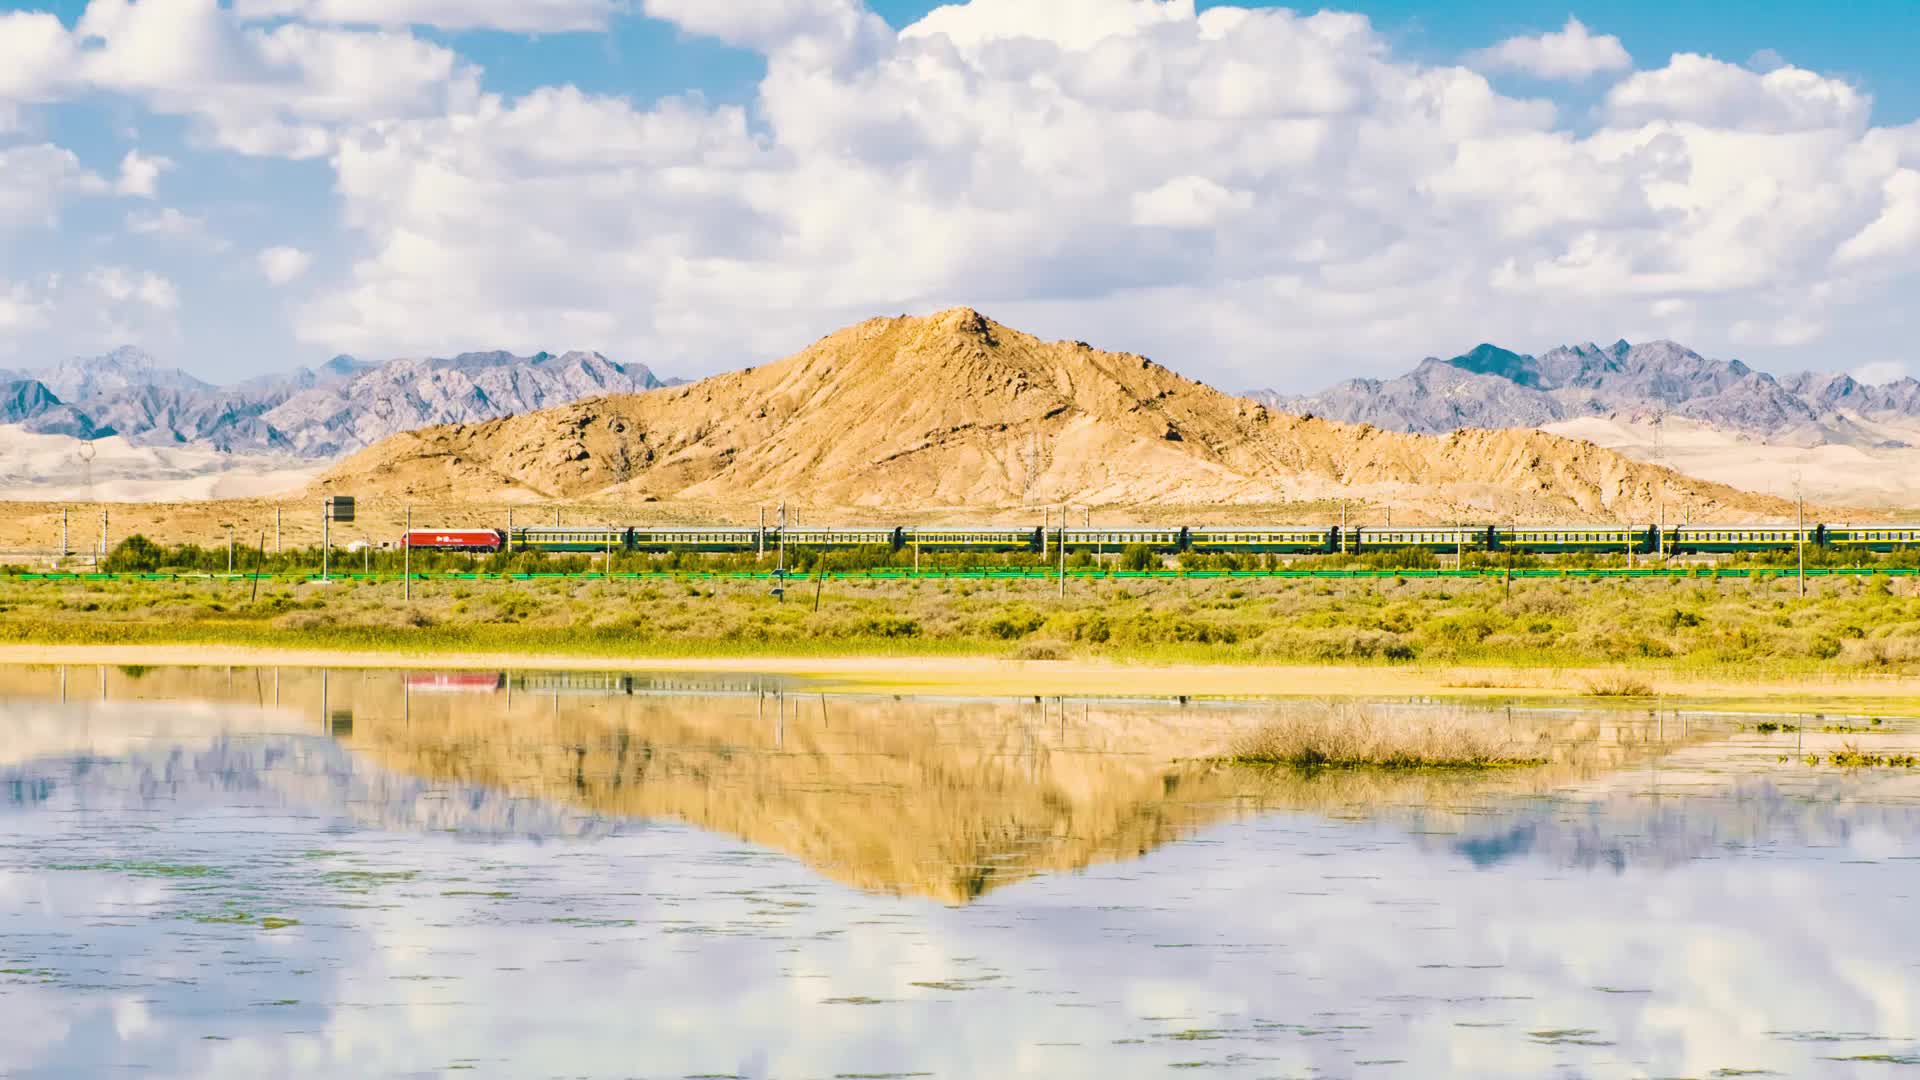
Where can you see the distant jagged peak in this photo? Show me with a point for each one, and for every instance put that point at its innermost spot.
(1490, 386)
(122, 368)
(345, 365)
(1488, 359)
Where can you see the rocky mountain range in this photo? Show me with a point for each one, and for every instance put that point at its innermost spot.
(957, 412)
(343, 405)
(1491, 387)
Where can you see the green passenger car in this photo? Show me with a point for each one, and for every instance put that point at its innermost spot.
(1162, 540)
(985, 538)
(840, 539)
(1442, 540)
(694, 538)
(1710, 539)
(1262, 539)
(571, 538)
(1872, 537)
(1565, 539)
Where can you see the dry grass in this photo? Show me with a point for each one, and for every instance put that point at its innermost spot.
(1745, 630)
(1619, 685)
(1361, 736)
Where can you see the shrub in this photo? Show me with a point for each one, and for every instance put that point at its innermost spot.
(134, 555)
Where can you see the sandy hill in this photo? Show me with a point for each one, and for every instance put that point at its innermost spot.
(956, 411)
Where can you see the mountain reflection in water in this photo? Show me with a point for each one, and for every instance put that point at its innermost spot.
(946, 799)
(301, 873)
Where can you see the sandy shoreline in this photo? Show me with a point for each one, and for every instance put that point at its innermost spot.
(987, 675)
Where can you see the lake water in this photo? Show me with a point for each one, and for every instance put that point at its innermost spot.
(260, 873)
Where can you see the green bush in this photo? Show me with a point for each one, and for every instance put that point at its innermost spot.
(135, 555)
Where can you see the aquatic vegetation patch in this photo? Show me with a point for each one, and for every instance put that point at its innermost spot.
(1358, 736)
(974, 983)
(146, 869)
(364, 880)
(1850, 757)
(1619, 686)
(1568, 1037)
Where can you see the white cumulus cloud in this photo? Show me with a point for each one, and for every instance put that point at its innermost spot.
(143, 287)
(24, 307)
(284, 264)
(282, 90)
(1252, 193)
(140, 174)
(524, 16)
(818, 27)
(1073, 24)
(1713, 93)
(1248, 190)
(35, 179)
(165, 221)
(1880, 372)
(1572, 52)
(1189, 202)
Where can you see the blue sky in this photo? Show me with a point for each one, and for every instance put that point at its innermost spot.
(1268, 199)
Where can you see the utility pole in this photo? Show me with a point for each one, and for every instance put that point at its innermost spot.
(1063, 552)
(103, 538)
(63, 535)
(1343, 526)
(276, 531)
(760, 538)
(780, 572)
(1800, 532)
(326, 544)
(229, 527)
(406, 552)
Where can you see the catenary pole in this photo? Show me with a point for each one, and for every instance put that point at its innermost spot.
(1063, 551)
(1800, 533)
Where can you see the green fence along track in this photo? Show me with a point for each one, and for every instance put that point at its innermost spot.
(1010, 574)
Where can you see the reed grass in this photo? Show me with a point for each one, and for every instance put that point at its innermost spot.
(1618, 685)
(1360, 736)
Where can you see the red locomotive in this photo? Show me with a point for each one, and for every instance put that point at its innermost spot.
(484, 541)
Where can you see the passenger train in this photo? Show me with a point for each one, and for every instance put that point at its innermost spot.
(1208, 539)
